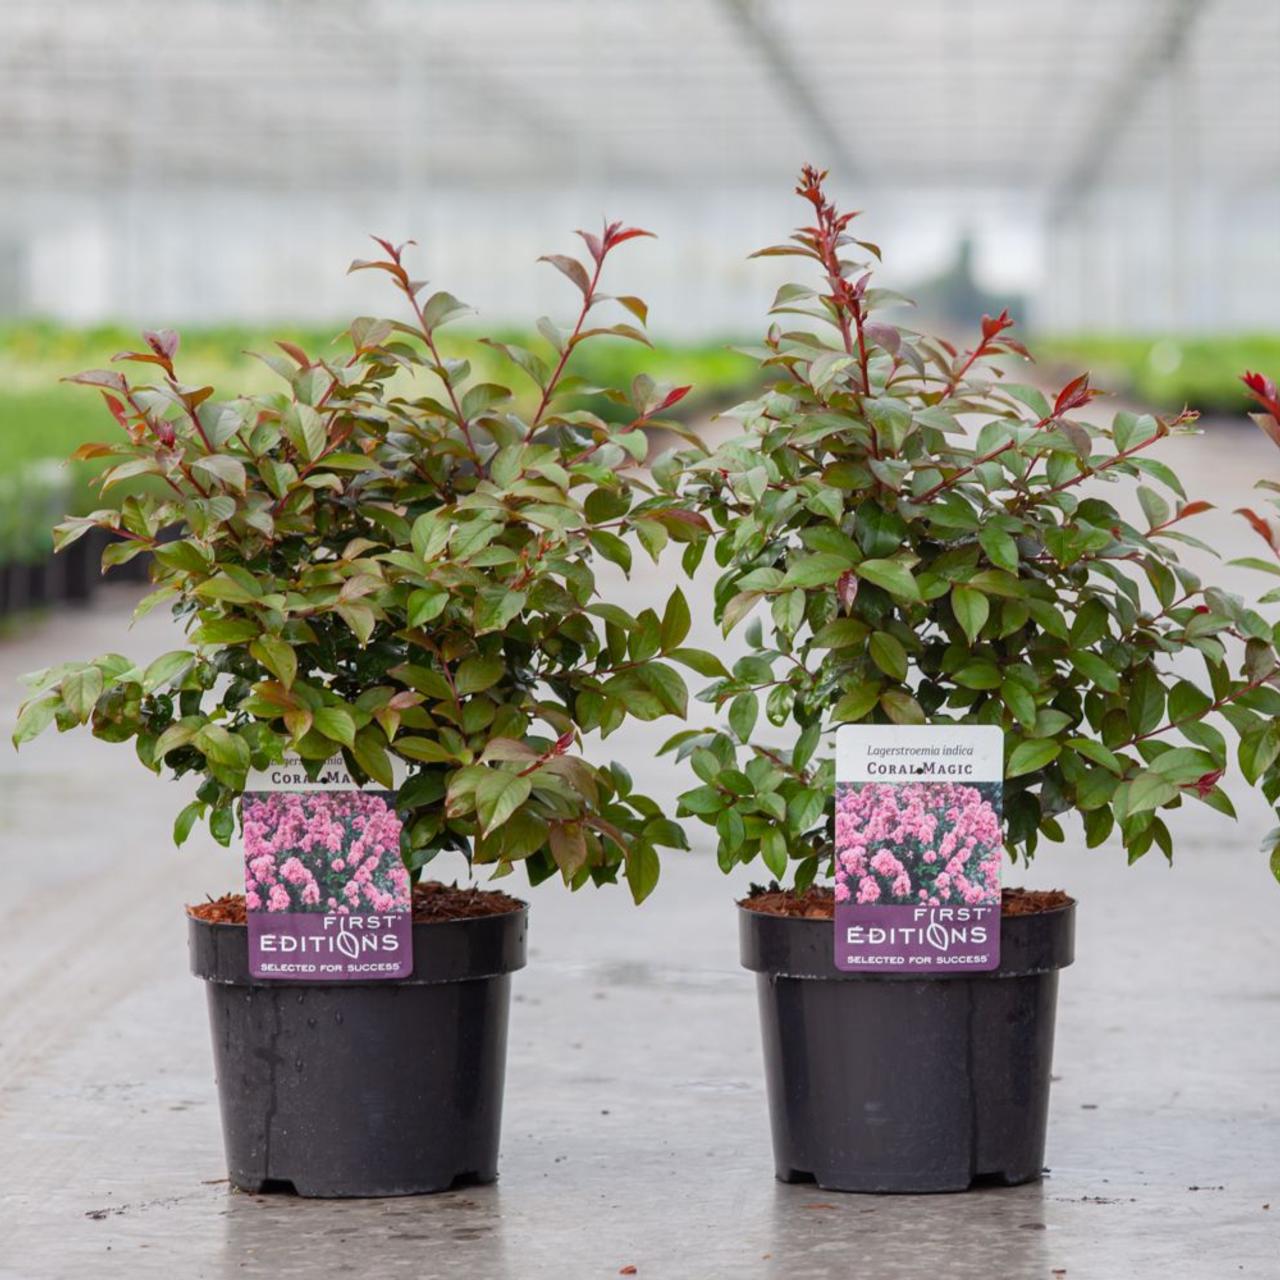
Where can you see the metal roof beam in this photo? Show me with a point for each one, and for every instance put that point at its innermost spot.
(770, 44)
(1152, 59)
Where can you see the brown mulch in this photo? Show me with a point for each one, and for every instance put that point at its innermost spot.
(432, 902)
(818, 902)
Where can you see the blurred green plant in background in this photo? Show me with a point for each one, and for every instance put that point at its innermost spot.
(1169, 371)
(41, 418)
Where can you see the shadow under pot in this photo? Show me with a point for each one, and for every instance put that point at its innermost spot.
(364, 1089)
(887, 1083)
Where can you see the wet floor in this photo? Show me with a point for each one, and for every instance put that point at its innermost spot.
(635, 1132)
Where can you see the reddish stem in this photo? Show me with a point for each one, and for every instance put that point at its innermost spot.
(588, 301)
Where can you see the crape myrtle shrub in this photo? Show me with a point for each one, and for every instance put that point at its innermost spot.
(911, 537)
(400, 569)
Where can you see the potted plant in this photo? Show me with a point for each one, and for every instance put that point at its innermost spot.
(923, 540)
(391, 560)
(30, 499)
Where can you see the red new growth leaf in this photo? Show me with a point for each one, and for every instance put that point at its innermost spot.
(681, 515)
(847, 589)
(1204, 784)
(99, 378)
(1263, 390)
(1262, 527)
(1193, 508)
(164, 342)
(564, 742)
(594, 246)
(295, 352)
(117, 410)
(673, 396)
(393, 251)
(615, 233)
(1075, 394)
(993, 326)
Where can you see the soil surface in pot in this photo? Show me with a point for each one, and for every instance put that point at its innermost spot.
(818, 902)
(432, 902)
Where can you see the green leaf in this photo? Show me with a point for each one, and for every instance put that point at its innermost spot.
(1154, 507)
(1146, 792)
(498, 795)
(1020, 700)
(705, 664)
(1186, 702)
(167, 668)
(676, 621)
(80, 692)
(1001, 549)
(742, 715)
(477, 674)
(703, 800)
(278, 657)
(857, 703)
(222, 747)
(984, 674)
(819, 570)
(737, 609)
(221, 587)
(612, 547)
(496, 607)
(889, 655)
(430, 535)
(773, 851)
(425, 604)
(371, 755)
(223, 467)
(426, 749)
(892, 575)
(971, 608)
(1096, 752)
(185, 820)
(641, 871)
(1094, 669)
(35, 719)
(336, 723)
(222, 824)
(901, 707)
(225, 631)
(1030, 756)
(1145, 700)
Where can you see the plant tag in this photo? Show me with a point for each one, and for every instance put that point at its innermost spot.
(326, 891)
(919, 845)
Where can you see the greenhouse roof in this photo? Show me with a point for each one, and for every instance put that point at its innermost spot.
(1048, 98)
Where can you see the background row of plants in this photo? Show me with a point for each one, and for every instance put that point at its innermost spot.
(1167, 371)
(41, 418)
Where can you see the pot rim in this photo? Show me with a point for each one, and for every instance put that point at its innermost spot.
(743, 904)
(468, 948)
(775, 946)
(522, 909)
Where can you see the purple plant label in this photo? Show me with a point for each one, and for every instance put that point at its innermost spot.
(328, 897)
(919, 848)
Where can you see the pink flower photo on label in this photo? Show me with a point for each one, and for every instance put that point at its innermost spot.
(937, 843)
(323, 851)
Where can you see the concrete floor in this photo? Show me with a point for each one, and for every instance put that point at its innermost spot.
(635, 1131)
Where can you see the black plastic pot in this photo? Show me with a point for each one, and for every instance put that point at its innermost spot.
(364, 1089)
(82, 567)
(9, 602)
(906, 1084)
(38, 584)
